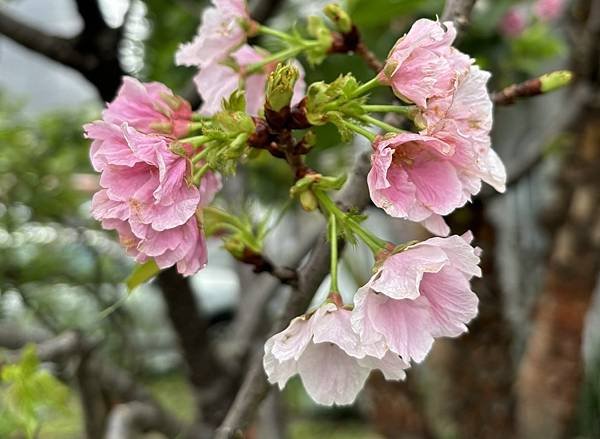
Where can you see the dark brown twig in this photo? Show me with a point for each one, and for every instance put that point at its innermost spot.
(508, 95)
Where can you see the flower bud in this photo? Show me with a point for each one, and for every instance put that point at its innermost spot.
(339, 17)
(280, 86)
(308, 201)
(234, 246)
(554, 80)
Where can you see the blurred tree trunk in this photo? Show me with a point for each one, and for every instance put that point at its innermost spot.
(473, 374)
(395, 408)
(551, 371)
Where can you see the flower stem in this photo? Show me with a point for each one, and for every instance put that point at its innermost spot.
(201, 155)
(375, 243)
(381, 124)
(193, 126)
(334, 253)
(195, 140)
(366, 87)
(200, 173)
(359, 130)
(282, 55)
(196, 117)
(407, 110)
(275, 33)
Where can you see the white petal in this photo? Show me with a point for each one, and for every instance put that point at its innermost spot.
(329, 375)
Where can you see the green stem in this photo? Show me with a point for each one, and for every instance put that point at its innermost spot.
(334, 253)
(195, 140)
(366, 87)
(195, 126)
(375, 243)
(283, 55)
(404, 110)
(200, 173)
(201, 155)
(373, 121)
(196, 117)
(360, 130)
(275, 33)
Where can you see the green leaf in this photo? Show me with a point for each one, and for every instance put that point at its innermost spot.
(140, 274)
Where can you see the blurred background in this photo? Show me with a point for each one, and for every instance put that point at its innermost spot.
(76, 348)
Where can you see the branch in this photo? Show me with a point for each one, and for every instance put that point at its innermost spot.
(459, 12)
(126, 421)
(56, 48)
(354, 194)
(263, 10)
(369, 57)
(91, 15)
(191, 330)
(117, 383)
(263, 264)
(255, 386)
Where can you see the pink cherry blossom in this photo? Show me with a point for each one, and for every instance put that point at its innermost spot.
(330, 359)
(184, 246)
(423, 63)
(216, 82)
(416, 296)
(149, 107)
(146, 195)
(221, 32)
(413, 177)
(548, 10)
(463, 119)
(514, 22)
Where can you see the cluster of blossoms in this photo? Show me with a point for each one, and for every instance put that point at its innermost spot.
(156, 182)
(147, 195)
(421, 292)
(223, 58)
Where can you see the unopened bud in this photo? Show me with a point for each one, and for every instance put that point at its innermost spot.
(308, 201)
(235, 247)
(339, 17)
(280, 86)
(554, 80)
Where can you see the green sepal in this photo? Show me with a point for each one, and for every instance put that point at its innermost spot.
(319, 31)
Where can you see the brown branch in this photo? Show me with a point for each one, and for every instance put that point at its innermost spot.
(115, 382)
(191, 330)
(56, 48)
(126, 421)
(355, 195)
(508, 95)
(93, 404)
(263, 10)
(369, 57)
(255, 386)
(459, 12)
(90, 13)
(262, 264)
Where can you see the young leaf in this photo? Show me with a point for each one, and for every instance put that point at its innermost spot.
(141, 273)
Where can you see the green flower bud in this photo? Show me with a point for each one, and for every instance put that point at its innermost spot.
(280, 86)
(339, 17)
(554, 80)
(308, 201)
(234, 246)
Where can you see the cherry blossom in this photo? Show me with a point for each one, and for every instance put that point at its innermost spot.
(221, 32)
(149, 107)
(216, 82)
(329, 357)
(423, 63)
(416, 296)
(146, 195)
